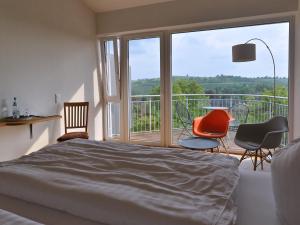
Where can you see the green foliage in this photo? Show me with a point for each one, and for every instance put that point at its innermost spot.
(146, 110)
(187, 86)
(221, 84)
(182, 86)
(179, 86)
(280, 90)
(144, 86)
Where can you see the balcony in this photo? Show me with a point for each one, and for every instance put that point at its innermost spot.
(145, 112)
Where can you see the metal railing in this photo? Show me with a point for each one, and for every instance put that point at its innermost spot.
(145, 109)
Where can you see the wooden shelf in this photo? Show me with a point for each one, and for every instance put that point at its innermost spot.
(7, 122)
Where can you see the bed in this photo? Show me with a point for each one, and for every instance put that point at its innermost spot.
(8, 218)
(89, 182)
(255, 207)
(255, 199)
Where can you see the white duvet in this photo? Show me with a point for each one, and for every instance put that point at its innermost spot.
(8, 218)
(122, 184)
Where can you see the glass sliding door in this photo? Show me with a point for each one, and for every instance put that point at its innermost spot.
(155, 84)
(144, 105)
(205, 78)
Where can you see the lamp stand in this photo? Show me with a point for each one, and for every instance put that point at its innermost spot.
(274, 71)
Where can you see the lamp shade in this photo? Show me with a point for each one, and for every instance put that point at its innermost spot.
(243, 52)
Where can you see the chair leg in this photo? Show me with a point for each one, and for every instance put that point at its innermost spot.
(261, 160)
(222, 141)
(255, 160)
(181, 133)
(243, 156)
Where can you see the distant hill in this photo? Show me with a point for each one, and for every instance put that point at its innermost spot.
(144, 86)
(221, 84)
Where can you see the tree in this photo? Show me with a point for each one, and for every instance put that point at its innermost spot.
(280, 90)
(182, 86)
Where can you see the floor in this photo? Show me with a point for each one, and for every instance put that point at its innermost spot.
(154, 137)
(247, 165)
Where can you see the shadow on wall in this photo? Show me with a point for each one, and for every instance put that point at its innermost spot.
(46, 50)
(47, 132)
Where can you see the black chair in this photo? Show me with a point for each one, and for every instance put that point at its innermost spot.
(185, 119)
(240, 114)
(256, 137)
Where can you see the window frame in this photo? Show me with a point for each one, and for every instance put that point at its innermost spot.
(166, 70)
(107, 99)
(125, 86)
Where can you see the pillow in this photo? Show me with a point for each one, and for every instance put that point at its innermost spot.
(285, 168)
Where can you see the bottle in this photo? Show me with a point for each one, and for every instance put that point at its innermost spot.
(15, 110)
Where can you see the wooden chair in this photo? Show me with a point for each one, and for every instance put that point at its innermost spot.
(76, 117)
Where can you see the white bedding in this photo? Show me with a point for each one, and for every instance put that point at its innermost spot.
(255, 200)
(41, 214)
(126, 184)
(8, 218)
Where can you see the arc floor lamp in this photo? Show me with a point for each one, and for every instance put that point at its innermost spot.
(247, 52)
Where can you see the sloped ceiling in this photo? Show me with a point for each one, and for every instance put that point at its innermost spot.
(111, 5)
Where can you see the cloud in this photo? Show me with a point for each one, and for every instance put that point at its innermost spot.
(208, 53)
(144, 58)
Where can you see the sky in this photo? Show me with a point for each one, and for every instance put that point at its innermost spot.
(208, 53)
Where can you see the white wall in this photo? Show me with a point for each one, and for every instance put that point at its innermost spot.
(183, 12)
(46, 47)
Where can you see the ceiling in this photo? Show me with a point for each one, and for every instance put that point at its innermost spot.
(111, 5)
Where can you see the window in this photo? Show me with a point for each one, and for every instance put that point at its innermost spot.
(196, 69)
(204, 76)
(111, 79)
(144, 103)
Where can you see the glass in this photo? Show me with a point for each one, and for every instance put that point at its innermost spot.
(203, 74)
(112, 68)
(113, 121)
(26, 112)
(144, 67)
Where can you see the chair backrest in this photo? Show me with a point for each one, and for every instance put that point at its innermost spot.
(240, 113)
(183, 114)
(216, 121)
(76, 115)
(278, 124)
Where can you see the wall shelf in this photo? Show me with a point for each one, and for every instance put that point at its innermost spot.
(9, 122)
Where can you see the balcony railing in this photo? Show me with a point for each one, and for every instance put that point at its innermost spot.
(145, 109)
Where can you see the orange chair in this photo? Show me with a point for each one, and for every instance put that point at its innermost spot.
(213, 125)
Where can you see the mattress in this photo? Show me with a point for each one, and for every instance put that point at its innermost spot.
(141, 185)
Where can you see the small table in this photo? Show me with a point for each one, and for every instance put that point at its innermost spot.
(198, 143)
